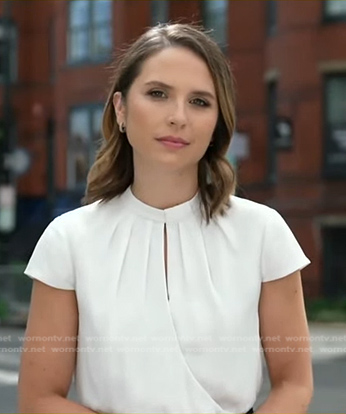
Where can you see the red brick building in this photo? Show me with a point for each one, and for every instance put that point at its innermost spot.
(289, 61)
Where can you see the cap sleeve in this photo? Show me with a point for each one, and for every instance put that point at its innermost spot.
(281, 253)
(51, 260)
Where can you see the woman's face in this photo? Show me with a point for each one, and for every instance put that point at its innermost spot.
(170, 111)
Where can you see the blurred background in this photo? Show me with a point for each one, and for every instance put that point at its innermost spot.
(289, 62)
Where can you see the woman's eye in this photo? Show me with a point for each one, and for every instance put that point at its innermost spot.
(200, 102)
(157, 94)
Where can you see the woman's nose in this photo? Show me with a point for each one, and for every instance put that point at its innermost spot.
(177, 115)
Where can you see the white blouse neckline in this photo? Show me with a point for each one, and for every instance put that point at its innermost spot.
(177, 213)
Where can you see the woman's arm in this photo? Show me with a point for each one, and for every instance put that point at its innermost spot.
(46, 374)
(286, 344)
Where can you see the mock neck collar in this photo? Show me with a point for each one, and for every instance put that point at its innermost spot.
(177, 213)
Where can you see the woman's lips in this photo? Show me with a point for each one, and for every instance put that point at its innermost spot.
(173, 142)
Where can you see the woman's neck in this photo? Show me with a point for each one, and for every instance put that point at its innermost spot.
(164, 190)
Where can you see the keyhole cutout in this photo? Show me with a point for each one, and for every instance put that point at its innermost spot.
(165, 257)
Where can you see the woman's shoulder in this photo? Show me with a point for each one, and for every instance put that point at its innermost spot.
(87, 216)
(245, 209)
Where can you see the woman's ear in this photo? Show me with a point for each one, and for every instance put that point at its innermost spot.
(119, 107)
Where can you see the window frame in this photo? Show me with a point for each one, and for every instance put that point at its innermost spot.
(272, 100)
(327, 171)
(91, 108)
(167, 4)
(224, 47)
(90, 29)
(327, 18)
(12, 51)
(271, 17)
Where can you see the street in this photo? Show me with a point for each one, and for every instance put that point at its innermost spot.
(329, 361)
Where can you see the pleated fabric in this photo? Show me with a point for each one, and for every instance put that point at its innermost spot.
(182, 342)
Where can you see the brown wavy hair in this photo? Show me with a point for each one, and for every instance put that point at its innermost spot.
(113, 170)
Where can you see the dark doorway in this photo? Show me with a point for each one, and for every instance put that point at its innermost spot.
(334, 241)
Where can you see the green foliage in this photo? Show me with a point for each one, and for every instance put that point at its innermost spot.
(4, 309)
(326, 310)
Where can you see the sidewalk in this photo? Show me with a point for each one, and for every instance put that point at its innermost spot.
(328, 340)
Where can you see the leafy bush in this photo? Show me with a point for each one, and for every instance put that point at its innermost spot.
(326, 310)
(4, 309)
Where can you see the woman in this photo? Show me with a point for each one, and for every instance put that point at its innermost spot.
(161, 292)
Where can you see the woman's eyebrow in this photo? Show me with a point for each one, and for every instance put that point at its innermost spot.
(205, 94)
(160, 84)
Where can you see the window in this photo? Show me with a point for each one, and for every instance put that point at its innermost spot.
(334, 280)
(335, 127)
(215, 17)
(84, 138)
(335, 10)
(52, 49)
(272, 161)
(90, 30)
(159, 11)
(271, 9)
(8, 52)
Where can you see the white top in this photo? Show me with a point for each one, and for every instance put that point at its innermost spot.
(197, 351)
